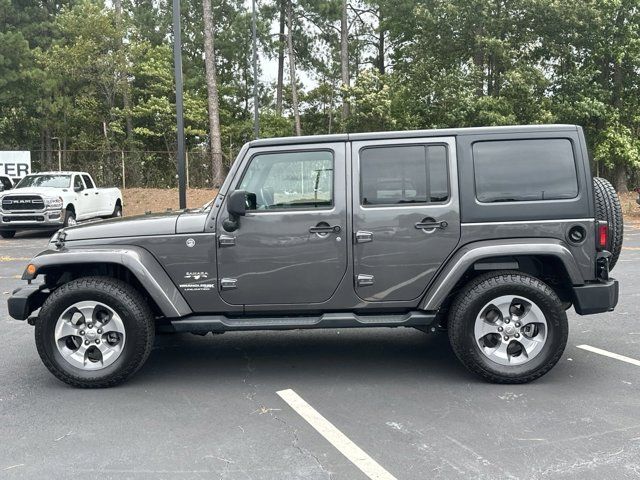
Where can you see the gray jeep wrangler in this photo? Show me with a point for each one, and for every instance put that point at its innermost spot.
(489, 233)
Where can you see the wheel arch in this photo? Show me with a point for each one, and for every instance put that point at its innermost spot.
(548, 259)
(133, 264)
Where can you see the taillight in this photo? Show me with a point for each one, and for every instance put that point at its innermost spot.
(603, 235)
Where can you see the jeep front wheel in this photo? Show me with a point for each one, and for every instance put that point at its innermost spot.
(508, 327)
(94, 332)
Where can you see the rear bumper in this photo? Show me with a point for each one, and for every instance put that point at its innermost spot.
(25, 300)
(597, 297)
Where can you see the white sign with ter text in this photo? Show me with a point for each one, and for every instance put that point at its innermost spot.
(15, 164)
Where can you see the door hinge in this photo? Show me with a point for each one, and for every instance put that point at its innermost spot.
(226, 241)
(364, 237)
(363, 280)
(228, 283)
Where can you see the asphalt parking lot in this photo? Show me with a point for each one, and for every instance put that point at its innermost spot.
(208, 407)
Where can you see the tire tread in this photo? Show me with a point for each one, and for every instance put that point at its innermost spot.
(462, 305)
(143, 326)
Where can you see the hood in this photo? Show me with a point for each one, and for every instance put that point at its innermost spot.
(44, 191)
(141, 225)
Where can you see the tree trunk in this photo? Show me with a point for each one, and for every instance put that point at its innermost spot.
(292, 68)
(212, 95)
(281, 42)
(381, 46)
(126, 102)
(344, 56)
(621, 179)
(478, 62)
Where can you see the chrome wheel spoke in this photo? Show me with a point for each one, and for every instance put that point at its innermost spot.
(499, 351)
(75, 357)
(532, 314)
(87, 310)
(484, 327)
(113, 325)
(64, 329)
(503, 304)
(534, 343)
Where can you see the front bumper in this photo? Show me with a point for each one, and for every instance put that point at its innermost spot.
(25, 300)
(46, 219)
(598, 297)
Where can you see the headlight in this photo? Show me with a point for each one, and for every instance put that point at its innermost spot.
(53, 203)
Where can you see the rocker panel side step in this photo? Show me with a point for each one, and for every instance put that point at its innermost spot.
(222, 323)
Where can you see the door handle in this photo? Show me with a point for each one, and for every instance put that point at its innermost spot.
(97, 193)
(428, 225)
(86, 194)
(325, 229)
(364, 237)
(226, 241)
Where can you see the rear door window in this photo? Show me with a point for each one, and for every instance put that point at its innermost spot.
(411, 174)
(77, 182)
(87, 181)
(524, 170)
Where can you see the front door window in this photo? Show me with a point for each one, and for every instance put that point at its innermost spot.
(292, 180)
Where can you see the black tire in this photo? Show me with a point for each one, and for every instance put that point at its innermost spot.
(136, 316)
(7, 233)
(484, 289)
(117, 211)
(69, 215)
(608, 208)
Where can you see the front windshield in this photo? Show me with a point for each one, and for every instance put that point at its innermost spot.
(50, 181)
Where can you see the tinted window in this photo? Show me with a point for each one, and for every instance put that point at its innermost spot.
(87, 181)
(77, 182)
(5, 183)
(406, 174)
(290, 180)
(522, 170)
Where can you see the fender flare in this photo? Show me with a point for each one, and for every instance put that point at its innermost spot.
(469, 254)
(137, 260)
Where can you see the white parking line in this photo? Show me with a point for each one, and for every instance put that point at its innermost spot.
(599, 351)
(335, 437)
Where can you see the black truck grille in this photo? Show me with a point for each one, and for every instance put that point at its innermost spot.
(15, 203)
(22, 218)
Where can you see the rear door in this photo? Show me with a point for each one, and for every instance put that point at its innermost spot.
(93, 194)
(406, 218)
(289, 248)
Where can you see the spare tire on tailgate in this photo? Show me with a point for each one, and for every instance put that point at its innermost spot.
(608, 209)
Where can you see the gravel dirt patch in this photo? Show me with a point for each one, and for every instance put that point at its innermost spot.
(140, 200)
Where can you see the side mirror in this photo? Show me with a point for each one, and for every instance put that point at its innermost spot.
(237, 203)
(78, 189)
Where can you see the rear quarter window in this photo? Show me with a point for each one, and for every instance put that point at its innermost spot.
(524, 170)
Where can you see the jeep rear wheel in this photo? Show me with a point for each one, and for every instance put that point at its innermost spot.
(94, 332)
(508, 327)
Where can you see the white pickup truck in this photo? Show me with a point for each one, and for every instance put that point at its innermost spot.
(51, 200)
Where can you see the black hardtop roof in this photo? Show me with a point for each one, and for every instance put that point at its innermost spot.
(443, 132)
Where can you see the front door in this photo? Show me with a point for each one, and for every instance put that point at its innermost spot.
(290, 247)
(406, 218)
